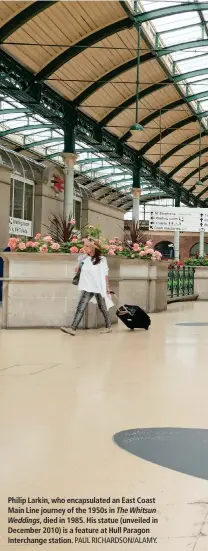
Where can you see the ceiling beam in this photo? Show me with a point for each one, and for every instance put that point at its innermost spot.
(177, 148)
(189, 176)
(108, 77)
(161, 52)
(164, 133)
(190, 74)
(130, 101)
(170, 10)
(43, 126)
(154, 116)
(81, 46)
(23, 17)
(38, 143)
(187, 160)
(199, 95)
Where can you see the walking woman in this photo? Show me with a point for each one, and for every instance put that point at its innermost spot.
(93, 282)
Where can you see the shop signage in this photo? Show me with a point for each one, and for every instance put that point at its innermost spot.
(178, 218)
(20, 227)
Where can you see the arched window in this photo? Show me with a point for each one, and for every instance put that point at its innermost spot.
(164, 248)
(194, 251)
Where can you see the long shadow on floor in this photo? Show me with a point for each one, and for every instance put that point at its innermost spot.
(180, 449)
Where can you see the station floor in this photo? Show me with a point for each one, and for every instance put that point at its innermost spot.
(63, 399)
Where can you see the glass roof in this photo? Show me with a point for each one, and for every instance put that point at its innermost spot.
(183, 28)
(25, 131)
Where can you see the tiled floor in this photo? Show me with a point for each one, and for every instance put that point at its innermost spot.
(62, 399)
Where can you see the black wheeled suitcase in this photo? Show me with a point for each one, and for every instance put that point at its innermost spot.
(133, 317)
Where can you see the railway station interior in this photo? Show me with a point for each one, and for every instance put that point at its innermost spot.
(104, 118)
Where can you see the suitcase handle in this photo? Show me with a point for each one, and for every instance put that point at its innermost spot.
(124, 310)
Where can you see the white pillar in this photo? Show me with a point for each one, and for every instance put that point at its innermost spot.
(136, 192)
(201, 244)
(70, 161)
(176, 245)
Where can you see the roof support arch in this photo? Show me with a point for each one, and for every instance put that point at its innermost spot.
(161, 52)
(23, 17)
(110, 76)
(155, 115)
(187, 178)
(170, 10)
(177, 148)
(126, 103)
(188, 160)
(190, 74)
(81, 46)
(166, 132)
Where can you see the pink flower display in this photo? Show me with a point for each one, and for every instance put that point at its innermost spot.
(149, 243)
(29, 244)
(111, 251)
(74, 239)
(21, 246)
(148, 250)
(142, 253)
(47, 239)
(44, 249)
(120, 249)
(72, 222)
(37, 236)
(74, 250)
(12, 243)
(55, 246)
(136, 248)
(35, 245)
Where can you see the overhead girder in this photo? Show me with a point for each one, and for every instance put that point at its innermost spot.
(190, 74)
(23, 17)
(81, 46)
(129, 101)
(38, 143)
(204, 190)
(25, 128)
(170, 10)
(178, 125)
(108, 77)
(15, 111)
(187, 160)
(161, 52)
(191, 174)
(155, 115)
(179, 147)
(199, 95)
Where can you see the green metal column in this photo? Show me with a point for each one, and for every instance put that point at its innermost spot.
(136, 192)
(69, 158)
(177, 233)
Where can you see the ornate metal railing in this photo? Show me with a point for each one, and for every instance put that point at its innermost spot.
(180, 281)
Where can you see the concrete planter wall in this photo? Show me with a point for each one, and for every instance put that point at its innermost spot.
(201, 282)
(38, 290)
(144, 283)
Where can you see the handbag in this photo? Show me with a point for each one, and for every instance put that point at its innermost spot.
(75, 280)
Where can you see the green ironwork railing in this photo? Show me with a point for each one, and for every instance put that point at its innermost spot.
(180, 281)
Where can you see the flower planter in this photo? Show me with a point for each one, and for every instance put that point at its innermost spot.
(39, 291)
(144, 282)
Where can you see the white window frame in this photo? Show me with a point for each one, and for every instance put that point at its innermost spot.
(24, 181)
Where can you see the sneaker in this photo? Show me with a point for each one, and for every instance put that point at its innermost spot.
(68, 330)
(106, 330)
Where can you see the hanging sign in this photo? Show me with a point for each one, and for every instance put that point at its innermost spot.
(182, 219)
(20, 227)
